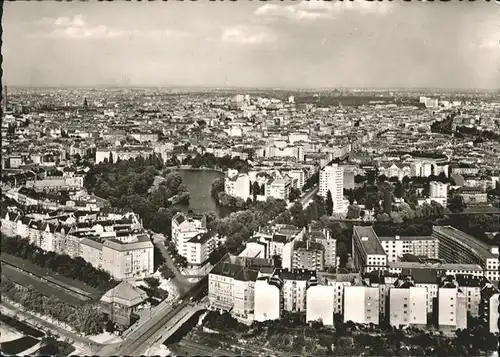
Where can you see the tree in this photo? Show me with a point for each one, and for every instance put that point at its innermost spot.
(166, 272)
(353, 212)
(329, 203)
(457, 204)
(398, 190)
(153, 283)
(294, 194)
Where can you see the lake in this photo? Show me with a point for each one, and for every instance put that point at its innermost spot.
(199, 185)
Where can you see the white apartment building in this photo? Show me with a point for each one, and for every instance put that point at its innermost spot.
(199, 248)
(493, 313)
(237, 185)
(368, 253)
(128, 260)
(329, 244)
(331, 178)
(278, 189)
(295, 283)
(231, 287)
(458, 247)
(452, 311)
(268, 301)
(361, 304)
(408, 306)
(396, 246)
(320, 304)
(185, 228)
(121, 260)
(439, 192)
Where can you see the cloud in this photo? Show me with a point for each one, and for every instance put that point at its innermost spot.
(76, 21)
(313, 10)
(77, 28)
(492, 42)
(247, 35)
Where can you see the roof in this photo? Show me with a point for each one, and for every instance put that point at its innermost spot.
(201, 238)
(91, 243)
(480, 248)
(117, 245)
(436, 266)
(372, 244)
(235, 271)
(125, 294)
(296, 274)
(406, 238)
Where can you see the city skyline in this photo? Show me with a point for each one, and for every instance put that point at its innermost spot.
(252, 45)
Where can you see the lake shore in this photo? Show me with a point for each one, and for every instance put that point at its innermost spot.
(189, 167)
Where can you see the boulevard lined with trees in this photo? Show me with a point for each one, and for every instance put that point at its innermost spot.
(85, 318)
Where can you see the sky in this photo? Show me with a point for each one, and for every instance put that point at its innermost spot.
(285, 44)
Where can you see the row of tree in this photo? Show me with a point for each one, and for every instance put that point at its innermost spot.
(291, 334)
(85, 318)
(74, 268)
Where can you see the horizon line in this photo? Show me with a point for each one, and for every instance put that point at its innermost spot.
(275, 88)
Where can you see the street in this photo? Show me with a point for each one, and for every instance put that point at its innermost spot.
(139, 339)
(180, 282)
(82, 342)
(306, 197)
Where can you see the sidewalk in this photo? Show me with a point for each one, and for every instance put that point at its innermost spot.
(82, 343)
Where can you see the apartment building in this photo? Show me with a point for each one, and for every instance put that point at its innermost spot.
(184, 228)
(237, 185)
(329, 244)
(471, 287)
(338, 281)
(443, 269)
(383, 281)
(368, 253)
(361, 304)
(133, 260)
(278, 188)
(129, 260)
(439, 192)
(320, 300)
(280, 240)
(199, 248)
(295, 283)
(473, 195)
(493, 316)
(456, 246)
(268, 301)
(91, 251)
(308, 255)
(408, 306)
(452, 311)
(422, 246)
(231, 287)
(331, 178)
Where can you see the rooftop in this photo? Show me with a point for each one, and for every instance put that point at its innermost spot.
(480, 248)
(369, 240)
(407, 238)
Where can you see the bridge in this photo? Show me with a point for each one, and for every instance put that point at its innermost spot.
(169, 316)
(182, 317)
